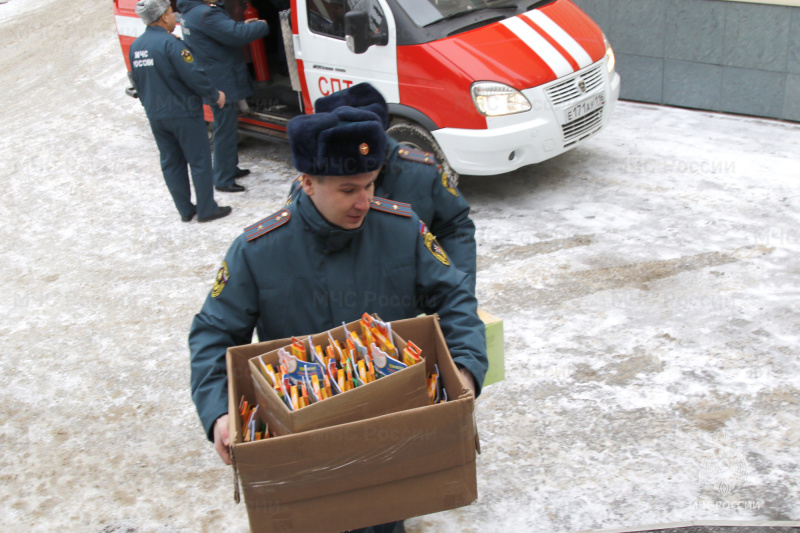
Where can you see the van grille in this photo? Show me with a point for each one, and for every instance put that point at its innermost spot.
(566, 90)
(583, 127)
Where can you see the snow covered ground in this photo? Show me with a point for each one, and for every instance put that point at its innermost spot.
(648, 283)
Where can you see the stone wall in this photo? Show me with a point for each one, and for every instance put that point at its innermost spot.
(705, 54)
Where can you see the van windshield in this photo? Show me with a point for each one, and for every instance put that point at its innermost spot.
(427, 12)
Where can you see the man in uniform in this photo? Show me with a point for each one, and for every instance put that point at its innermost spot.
(333, 254)
(414, 177)
(170, 87)
(217, 41)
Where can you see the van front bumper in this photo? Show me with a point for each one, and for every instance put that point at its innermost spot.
(515, 141)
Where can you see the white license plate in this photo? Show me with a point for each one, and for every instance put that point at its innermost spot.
(583, 108)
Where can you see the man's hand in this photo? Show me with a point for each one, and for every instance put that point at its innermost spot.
(221, 103)
(248, 21)
(222, 439)
(468, 379)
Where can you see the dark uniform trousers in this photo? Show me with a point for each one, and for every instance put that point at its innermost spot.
(226, 138)
(181, 141)
(391, 527)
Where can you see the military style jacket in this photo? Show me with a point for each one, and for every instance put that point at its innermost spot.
(217, 40)
(166, 76)
(294, 273)
(413, 177)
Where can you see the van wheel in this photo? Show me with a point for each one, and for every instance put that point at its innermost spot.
(415, 136)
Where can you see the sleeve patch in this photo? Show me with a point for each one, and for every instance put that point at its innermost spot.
(268, 224)
(221, 280)
(435, 248)
(187, 56)
(448, 183)
(391, 206)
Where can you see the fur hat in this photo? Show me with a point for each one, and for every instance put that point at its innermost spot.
(151, 10)
(363, 96)
(344, 142)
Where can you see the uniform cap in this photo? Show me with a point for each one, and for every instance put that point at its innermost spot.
(345, 142)
(363, 96)
(151, 10)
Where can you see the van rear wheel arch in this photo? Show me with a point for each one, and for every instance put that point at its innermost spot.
(412, 134)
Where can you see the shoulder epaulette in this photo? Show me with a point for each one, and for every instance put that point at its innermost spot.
(412, 154)
(391, 206)
(268, 224)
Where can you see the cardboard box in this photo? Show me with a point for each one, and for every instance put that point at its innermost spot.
(495, 348)
(402, 390)
(360, 473)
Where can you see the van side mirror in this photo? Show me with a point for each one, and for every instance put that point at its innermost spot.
(357, 34)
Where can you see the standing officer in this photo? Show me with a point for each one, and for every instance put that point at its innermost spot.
(332, 254)
(413, 176)
(170, 87)
(217, 41)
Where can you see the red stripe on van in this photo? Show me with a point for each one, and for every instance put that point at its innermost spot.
(561, 50)
(578, 24)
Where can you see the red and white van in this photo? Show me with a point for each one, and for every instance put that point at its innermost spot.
(488, 86)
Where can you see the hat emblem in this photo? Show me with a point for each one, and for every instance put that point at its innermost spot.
(364, 148)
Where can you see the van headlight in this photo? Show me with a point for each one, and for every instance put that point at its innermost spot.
(611, 61)
(494, 99)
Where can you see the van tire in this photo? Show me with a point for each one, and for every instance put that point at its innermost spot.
(415, 136)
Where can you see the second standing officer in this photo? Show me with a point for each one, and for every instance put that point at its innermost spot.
(217, 41)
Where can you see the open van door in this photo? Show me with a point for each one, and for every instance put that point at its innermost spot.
(324, 58)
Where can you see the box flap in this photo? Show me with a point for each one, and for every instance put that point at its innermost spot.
(236, 358)
(426, 333)
(239, 382)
